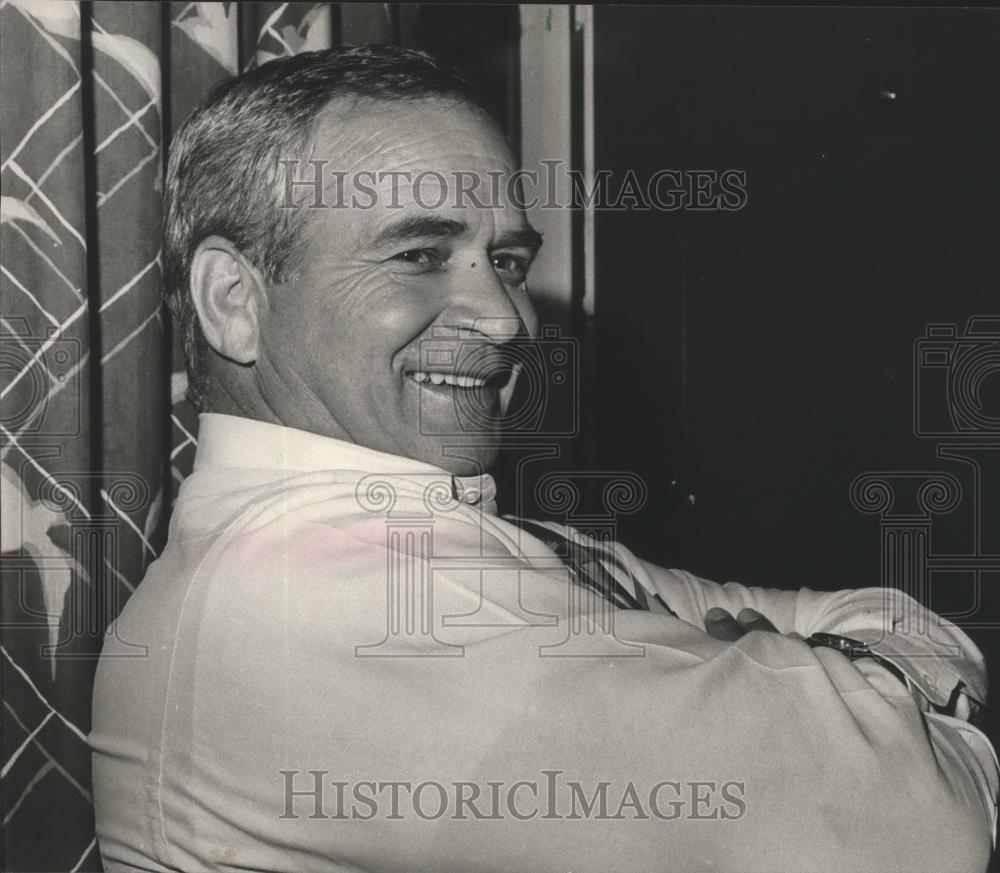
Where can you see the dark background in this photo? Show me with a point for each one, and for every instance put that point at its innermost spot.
(764, 358)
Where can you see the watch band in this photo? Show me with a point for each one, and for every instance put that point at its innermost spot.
(854, 649)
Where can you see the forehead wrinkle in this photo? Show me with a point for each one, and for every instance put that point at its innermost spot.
(343, 129)
(348, 149)
(408, 154)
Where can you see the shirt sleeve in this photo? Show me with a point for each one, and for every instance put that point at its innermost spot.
(660, 749)
(939, 658)
(940, 662)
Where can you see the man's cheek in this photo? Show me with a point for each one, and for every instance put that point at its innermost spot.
(403, 312)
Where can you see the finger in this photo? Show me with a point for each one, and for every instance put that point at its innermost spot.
(721, 625)
(751, 620)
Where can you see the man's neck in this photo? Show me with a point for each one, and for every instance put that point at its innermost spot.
(226, 399)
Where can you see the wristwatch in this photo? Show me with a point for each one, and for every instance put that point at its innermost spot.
(973, 711)
(854, 649)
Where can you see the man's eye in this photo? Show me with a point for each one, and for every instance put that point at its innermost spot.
(419, 257)
(514, 267)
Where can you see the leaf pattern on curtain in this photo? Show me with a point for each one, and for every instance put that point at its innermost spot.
(94, 433)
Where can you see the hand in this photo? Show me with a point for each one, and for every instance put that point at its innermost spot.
(721, 625)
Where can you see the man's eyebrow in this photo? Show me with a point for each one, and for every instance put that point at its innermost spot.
(415, 227)
(526, 237)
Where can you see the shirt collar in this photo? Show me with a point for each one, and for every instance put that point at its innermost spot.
(233, 441)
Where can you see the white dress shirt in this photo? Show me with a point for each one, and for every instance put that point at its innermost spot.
(322, 608)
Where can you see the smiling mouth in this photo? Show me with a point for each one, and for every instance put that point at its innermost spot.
(496, 379)
(446, 379)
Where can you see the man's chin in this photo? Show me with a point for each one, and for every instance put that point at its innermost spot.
(463, 458)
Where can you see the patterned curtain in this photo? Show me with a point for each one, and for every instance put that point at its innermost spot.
(95, 433)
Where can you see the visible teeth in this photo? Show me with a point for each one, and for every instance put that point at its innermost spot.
(448, 379)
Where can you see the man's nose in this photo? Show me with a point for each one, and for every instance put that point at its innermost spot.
(482, 305)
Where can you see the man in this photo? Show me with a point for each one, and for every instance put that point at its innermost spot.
(352, 663)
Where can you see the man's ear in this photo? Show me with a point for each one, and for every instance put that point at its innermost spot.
(229, 294)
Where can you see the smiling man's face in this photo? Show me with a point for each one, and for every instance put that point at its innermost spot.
(395, 323)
